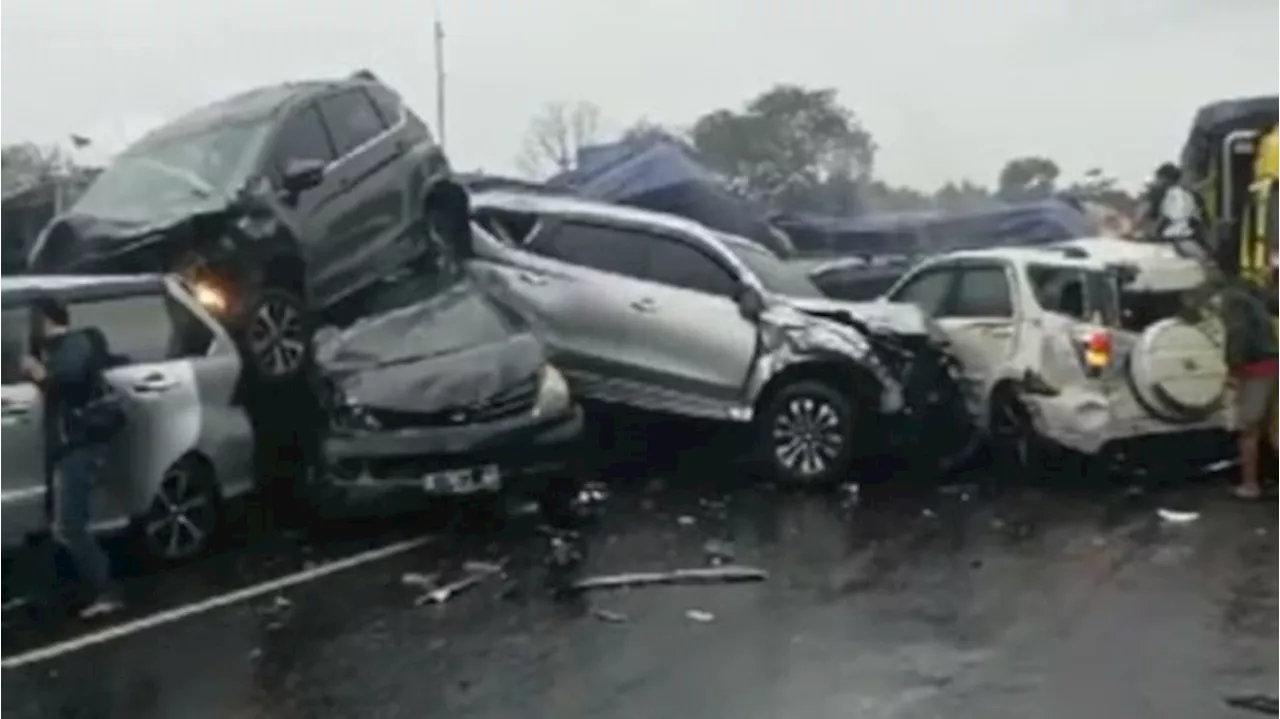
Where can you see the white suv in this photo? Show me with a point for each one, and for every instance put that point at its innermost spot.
(1052, 357)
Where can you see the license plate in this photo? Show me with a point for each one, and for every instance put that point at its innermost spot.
(463, 481)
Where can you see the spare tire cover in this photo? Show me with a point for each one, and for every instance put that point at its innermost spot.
(1178, 370)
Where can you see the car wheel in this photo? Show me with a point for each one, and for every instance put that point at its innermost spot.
(277, 335)
(807, 434)
(182, 519)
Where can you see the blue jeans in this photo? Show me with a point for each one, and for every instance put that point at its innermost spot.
(73, 482)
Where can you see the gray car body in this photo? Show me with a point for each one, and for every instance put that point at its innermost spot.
(178, 408)
(646, 344)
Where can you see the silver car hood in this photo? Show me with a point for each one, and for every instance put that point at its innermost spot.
(890, 317)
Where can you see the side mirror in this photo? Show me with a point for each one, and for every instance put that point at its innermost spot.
(750, 302)
(302, 175)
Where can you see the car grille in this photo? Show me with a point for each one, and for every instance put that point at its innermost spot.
(511, 402)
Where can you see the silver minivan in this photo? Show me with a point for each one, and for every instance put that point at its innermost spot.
(188, 445)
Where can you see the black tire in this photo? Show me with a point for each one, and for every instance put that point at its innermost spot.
(185, 515)
(806, 433)
(275, 335)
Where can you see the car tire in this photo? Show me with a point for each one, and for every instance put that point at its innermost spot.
(276, 335)
(184, 516)
(806, 434)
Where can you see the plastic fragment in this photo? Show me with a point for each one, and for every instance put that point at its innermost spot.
(700, 615)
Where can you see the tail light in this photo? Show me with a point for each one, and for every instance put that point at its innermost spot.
(1096, 350)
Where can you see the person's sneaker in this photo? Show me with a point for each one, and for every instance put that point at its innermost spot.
(101, 606)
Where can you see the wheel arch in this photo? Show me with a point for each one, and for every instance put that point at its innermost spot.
(844, 375)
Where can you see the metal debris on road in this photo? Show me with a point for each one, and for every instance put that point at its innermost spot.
(686, 520)
(607, 615)
(1174, 516)
(701, 575)
(477, 572)
(701, 616)
(1261, 703)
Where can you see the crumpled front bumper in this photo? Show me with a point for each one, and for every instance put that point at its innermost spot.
(1096, 422)
(391, 466)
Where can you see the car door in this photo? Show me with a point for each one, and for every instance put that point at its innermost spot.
(576, 279)
(979, 318)
(362, 238)
(302, 137)
(691, 338)
(160, 393)
(22, 456)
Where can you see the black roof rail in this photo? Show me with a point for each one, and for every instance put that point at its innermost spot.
(364, 74)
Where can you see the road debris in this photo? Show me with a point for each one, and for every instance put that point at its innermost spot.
(686, 520)
(850, 494)
(419, 580)
(477, 572)
(701, 575)
(607, 615)
(1260, 703)
(718, 552)
(700, 615)
(1176, 516)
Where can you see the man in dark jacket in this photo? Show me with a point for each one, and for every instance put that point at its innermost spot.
(70, 377)
(1251, 354)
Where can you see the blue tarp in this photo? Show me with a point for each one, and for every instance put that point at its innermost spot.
(930, 232)
(659, 174)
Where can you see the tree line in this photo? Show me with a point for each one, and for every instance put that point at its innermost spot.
(800, 149)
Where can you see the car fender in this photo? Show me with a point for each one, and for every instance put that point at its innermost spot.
(789, 338)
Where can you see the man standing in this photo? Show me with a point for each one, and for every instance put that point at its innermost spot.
(70, 378)
(1175, 212)
(1251, 354)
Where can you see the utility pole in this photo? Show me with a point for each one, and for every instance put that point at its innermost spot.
(440, 91)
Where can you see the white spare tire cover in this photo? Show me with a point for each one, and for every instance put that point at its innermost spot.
(1177, 370)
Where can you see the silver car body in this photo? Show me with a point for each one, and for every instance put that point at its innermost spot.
(181, 406)
(644, 343)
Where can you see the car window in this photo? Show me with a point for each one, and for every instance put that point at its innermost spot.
(926, 290)
(138, 328)
(386, 103)
(351, 119)
(981, 292)
(596, 246)
(302, 137)
(1086, 295)
(678, 264)
(774, 273)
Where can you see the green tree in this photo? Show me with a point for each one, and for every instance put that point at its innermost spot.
(795, 148)
(1027, 178)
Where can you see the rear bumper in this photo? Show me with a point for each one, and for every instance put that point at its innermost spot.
(529, 455)
(1096, 423)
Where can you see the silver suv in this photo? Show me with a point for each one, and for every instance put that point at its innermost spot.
(660, 313)
(188, 445)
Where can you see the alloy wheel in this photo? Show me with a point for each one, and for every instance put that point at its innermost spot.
(182, 517)
(807, 436)
(277, 338)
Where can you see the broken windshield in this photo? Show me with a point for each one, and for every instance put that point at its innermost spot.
(156, 176)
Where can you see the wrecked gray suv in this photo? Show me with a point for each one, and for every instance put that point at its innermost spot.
(659, 313)
(439, 391)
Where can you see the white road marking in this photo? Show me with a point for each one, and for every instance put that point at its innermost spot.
(206, 605)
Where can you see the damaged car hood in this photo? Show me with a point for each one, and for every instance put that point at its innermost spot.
(456, 349)
(86, 241)
(899, 319)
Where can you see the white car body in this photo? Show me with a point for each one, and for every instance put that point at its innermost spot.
(1039, 352)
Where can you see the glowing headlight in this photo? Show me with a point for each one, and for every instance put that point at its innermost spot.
(553, 392)
(209, 297)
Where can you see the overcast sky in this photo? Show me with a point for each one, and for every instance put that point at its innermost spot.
(949, 88)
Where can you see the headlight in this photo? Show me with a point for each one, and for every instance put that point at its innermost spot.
(553, 392)
(209, 297)
(346, 413)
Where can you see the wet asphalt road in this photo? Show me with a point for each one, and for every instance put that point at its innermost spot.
(1042, 603)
